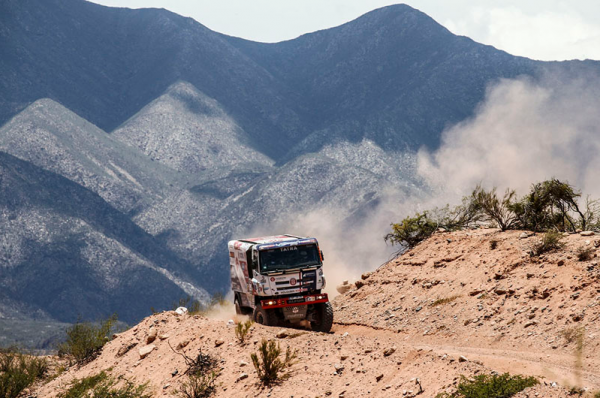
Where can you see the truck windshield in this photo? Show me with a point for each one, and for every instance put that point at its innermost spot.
(290, 257)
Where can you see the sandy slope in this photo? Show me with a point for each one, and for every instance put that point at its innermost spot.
(490, 324)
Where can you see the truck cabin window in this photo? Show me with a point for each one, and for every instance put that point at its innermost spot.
(284, 258)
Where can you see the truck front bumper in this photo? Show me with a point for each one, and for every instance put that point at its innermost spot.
(295, 301)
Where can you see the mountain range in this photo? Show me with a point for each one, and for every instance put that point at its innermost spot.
(135, 143)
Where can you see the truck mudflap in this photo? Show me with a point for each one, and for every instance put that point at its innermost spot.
(294, 301)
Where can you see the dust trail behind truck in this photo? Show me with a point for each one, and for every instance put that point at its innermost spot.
(279, 280)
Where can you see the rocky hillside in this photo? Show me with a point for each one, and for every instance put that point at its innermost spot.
(66, 252)
(455, 289)
(451, 306)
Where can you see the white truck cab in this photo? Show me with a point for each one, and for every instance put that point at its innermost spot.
(279, 279)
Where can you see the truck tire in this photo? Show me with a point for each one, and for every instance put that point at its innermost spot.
(238, 306)
(265, 317)
(324, 318)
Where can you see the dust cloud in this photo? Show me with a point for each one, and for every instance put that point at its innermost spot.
(525, 131)
(351, 244)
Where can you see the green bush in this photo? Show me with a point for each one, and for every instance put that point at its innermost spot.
(242, 329)
(412, 230)
(268, 364)
(104, 386)
(18, 371)
(550, 205)
(85, 339)
(490, 386)
(551, 240)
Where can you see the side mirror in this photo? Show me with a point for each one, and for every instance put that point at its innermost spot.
(322, 256)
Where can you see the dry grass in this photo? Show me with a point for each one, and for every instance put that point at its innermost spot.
(443, 301)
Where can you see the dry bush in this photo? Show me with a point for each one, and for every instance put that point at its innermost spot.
(199, 385)
(572, 334)
(202, 373)
(268, 364)
(493, 244)
(495, 209)
(585, 253)
(442, 301)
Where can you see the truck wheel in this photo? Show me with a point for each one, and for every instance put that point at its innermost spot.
(324, 318)
(238, 306)
(265, 317)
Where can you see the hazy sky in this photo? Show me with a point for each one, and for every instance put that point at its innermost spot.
(539, 29)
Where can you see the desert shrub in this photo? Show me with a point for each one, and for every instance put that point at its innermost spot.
(104, 386)
(551, 240)
(242, 329)
(442, 301)
(576, 391)
(572, 334)
(490, 386)
(550, 204)
(493, 244)
(268, 364)
(585, 253)
(18, 371)
(198, 385)
(201, 375)
(86, 339)
(412, 230)
(493, 208)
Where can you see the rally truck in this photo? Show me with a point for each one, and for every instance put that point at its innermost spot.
(279, 280)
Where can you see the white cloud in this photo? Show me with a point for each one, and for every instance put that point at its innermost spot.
(546, 35)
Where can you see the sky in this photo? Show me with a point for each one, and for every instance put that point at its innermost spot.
(538, 29)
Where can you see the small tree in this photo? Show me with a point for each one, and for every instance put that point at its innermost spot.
(268, 364)
(496, 209)
(85, 339)
(412, 230)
